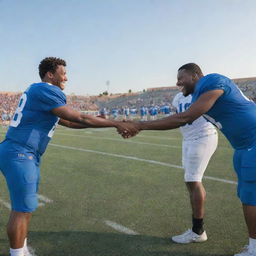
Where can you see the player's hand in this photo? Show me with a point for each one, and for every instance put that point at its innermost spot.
(127, 129)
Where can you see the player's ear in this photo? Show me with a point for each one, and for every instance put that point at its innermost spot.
(49, 74)
(195, 77)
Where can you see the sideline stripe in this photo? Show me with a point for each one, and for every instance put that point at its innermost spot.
(120, 228)
(137, 159)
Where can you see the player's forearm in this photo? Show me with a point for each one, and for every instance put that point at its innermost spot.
(171, 122)
(96, 122)
(73, 125)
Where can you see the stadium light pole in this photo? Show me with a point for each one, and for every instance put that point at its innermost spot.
(107, 84)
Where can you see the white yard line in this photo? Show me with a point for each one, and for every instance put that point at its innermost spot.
(116, 155)
(137, 159)
(5, 204)
(121, 140)
(130, 140)
(120, 228)
(45, 199)
(40, 204)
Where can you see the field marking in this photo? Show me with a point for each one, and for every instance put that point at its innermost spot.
(120, 228)
(137, 159)
(40, 197)
(5, 204)
(122, 140)
(116, 155)
(219, 179)
(129, 141)
(44, 198)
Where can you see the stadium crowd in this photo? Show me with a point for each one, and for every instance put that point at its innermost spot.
(147, 105)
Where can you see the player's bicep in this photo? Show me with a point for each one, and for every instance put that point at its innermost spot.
(66, 113)
(203, 104)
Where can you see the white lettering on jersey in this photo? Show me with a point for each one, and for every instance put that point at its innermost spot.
(18, 113)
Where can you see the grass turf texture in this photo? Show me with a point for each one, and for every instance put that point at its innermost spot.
(88, 188)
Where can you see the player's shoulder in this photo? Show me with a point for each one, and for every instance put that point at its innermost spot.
(180, 98)
(213, 79)
(45, 89)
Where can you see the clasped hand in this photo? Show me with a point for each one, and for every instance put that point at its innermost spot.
(128, 129)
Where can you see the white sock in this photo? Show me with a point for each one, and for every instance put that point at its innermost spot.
(16, 252)
(25, 248)
(252, 243)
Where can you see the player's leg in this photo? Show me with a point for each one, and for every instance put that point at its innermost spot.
(196, 156)
(197, 198)
(22, 176)
(17, 228)
(250, 219)
(246, 172)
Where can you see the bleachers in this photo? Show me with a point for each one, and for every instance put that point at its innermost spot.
(152, 96)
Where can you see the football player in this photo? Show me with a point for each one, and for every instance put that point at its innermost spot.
(200, 141)
(219, 100)
(41, 107)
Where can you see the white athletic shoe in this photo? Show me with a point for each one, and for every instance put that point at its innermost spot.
(29, 251)
(190, 237)
(246, 252)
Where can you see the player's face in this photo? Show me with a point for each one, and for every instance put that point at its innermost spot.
(186, 82)
(59, 78)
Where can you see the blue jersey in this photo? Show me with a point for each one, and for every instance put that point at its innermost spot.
(33, 123)
(233, 113)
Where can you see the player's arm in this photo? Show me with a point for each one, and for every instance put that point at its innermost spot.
(73, 125)
(73, 116)
(74, 119)
(198, 108)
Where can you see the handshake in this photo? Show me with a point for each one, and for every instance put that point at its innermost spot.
(128, 129)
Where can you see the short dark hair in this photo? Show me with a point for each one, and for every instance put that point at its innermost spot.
(193, 68)
(50, 64)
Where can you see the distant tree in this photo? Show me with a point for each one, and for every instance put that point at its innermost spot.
(129, 91)
(144, 90)
(105, 93)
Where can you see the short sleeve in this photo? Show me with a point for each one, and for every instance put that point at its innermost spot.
(211, 82)
(215, 82)
(50, 97)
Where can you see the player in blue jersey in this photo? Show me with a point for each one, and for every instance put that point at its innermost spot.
(219, 100)
(42, 106)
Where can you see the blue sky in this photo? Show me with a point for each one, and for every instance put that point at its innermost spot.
(133, 44)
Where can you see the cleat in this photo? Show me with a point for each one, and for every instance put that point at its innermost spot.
(247, 251)
(189, 237)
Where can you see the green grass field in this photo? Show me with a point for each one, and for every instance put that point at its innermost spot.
(97, 181)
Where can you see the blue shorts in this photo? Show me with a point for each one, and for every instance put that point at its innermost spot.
(245, 166)
(20, 167)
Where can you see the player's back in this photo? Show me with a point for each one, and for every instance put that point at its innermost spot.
(232, 113)
(33, 123)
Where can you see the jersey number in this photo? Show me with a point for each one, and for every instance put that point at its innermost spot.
(18, 113)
